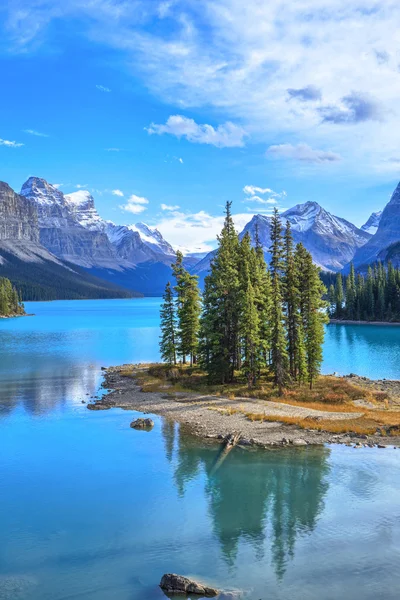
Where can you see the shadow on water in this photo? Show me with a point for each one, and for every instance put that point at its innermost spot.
(264, 498)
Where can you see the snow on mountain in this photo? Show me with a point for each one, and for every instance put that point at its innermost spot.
(81, 204)
(83, 207)
(152, 237)
(44, 193)
(387, 234)
(331, 240)
(371, 226)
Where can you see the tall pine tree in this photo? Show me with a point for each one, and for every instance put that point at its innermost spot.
(279, 362)
(168, 327)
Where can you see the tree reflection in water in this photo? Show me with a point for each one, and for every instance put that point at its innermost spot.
(265, 498)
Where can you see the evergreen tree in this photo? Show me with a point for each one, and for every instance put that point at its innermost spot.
(250, 335)
(168, 327)
(291, 299)
(339, 296)
(351, 293)
(10, 303)
(279, 362)
(262, 291)
(314, 317)
(189, 319)
(219, 331)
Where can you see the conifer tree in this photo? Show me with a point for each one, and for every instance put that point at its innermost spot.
(189, 318)
(351, 293)
(262, 291)
(291, 299)
(180, 288)
(219, 332)
(279, 356)
(168, 327)
(339, 299)
(250, 335)
(314, 316)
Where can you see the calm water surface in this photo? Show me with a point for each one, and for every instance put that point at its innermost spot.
(90, 509)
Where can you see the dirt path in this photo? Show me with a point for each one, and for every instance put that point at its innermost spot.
(216, 417)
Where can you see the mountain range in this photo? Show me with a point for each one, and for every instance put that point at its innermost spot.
(63, 240)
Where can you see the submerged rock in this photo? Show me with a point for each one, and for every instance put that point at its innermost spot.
(98, 406)
(142, 424)
(177, 584)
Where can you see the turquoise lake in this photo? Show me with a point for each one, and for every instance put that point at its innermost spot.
(93, 510)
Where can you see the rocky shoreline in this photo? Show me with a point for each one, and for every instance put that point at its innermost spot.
(212, 417)
(351, 322)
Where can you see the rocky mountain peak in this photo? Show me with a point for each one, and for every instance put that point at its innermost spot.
(371, 226)
(82, 200)
(42, 192)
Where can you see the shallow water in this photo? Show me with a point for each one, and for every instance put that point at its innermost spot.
(91, 509)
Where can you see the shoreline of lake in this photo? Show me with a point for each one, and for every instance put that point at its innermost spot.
(210, 417)
(350, 322)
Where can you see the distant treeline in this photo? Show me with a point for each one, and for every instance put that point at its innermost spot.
(374, 297)
(47, 280)
(10, 303)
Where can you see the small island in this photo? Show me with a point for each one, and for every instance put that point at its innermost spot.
(245, 357)
(10, 301)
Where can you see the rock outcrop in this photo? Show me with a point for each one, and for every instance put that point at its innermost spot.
(388, 233)
(18, 217)
(177, 584)
(142, 424)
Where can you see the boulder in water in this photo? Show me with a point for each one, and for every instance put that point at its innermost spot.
(142, 424)
(177, 584)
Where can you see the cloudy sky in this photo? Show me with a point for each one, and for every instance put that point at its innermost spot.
(165, 109)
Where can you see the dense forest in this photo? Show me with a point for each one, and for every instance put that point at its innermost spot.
(10, 303)
(252, 319)
(48, 280)
(374, 297)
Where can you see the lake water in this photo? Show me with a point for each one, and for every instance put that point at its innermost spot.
(92, 510)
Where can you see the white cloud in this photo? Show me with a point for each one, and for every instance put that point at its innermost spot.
(302, 152)
(250, 190)
(223, 136)
(102, 88)
(169, 207)
(10, 144)
(181, 160)
(57, 185)
(135, 204)
(239, 59)
(36, 133)
(113, 149)
(81, 186)
(117, 193)
(196, 232)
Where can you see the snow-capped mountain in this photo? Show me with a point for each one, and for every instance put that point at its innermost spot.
(82, 205)
(371, 226)
(60, 230)
(331, 240)
(71, 228)
(24, 259)
(387, 234)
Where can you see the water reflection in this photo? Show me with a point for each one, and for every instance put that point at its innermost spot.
(42, 392)
(266, 499)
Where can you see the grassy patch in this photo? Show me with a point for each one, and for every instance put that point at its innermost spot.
(330, 394)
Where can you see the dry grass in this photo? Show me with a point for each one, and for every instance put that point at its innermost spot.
(330, 394)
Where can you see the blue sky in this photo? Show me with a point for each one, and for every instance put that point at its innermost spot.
(180, 105)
